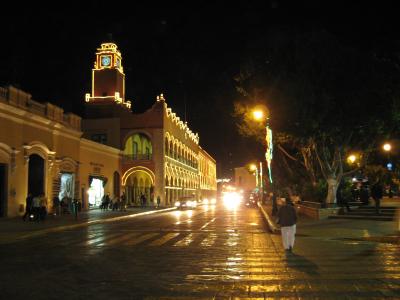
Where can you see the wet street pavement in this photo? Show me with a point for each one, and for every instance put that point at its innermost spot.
(207, 253)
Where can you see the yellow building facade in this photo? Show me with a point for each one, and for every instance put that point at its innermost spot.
(112, 150)
(161, 156)
(42, 152)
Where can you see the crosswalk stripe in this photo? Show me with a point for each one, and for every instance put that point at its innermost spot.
(140, 239)
(164, 239)
(119, 239)
(75, 240)
(186, 241)
(98, 239)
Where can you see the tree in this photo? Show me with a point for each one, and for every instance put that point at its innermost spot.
(324, 98)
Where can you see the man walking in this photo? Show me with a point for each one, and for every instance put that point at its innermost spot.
(287, 218)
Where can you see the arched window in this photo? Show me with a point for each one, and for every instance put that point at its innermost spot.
(166, 147)
(138, 146)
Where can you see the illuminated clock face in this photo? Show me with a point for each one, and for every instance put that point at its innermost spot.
(105, 61)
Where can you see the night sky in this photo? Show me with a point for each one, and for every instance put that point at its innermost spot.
(189, 50)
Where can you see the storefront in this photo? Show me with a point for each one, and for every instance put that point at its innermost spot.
(96, 190)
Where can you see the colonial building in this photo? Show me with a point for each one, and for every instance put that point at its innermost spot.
(161, 156)
(44, 150)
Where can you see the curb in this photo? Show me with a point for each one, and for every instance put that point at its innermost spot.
(271, 224)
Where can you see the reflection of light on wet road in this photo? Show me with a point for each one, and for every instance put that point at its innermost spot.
(208, 223)
(232, 240)
(118, 239)
(164, 239)
(209, 240)
(140, 239)
(179, 214)
(186, 241)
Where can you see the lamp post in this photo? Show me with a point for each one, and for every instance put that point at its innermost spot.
(259, 116)
(387, 147)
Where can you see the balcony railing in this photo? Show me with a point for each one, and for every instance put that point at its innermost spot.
(138, 157)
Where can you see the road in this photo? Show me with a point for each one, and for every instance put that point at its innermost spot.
(206, 253)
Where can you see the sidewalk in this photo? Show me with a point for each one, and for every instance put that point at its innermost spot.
(14, 229)
(342, 229)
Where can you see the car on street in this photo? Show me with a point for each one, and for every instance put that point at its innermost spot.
(250, 200)
(186, 202)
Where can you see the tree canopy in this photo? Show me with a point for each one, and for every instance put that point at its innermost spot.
(324, 98)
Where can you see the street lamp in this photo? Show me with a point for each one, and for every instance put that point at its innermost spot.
(259, 116)
(387, 147)
(351, 159)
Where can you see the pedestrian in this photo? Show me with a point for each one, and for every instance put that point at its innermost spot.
(142, 200)
(272, 197)
(108, 202)
(56, 206)
(158, 201)
(123, 202)
(28, 206)
(115, 203)
(36, 207)
(364, 195)
(342, 200)
(287, 218)
(43, 207)
(377, 194)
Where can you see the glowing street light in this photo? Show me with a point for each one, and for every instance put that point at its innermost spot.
(351, 159)
(258, 115)
(387, 147)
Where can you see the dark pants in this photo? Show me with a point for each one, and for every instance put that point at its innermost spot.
(377, 205)
(27, 213)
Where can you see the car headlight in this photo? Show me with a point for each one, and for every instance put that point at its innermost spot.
(177, 203)
(213, 201)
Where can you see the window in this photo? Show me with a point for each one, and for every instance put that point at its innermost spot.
(147, 153)
(99, 138)
(134, 149)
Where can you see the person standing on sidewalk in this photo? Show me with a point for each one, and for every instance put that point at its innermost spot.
(377, 194)
(287, 219)
(28, 207)
(272, 197)
(123, 202)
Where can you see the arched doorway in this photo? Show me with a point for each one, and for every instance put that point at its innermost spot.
(138, 181)
(36, 175)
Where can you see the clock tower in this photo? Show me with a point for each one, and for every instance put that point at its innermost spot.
(108, 78)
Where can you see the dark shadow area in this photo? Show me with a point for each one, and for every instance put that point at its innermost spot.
(300, 263)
